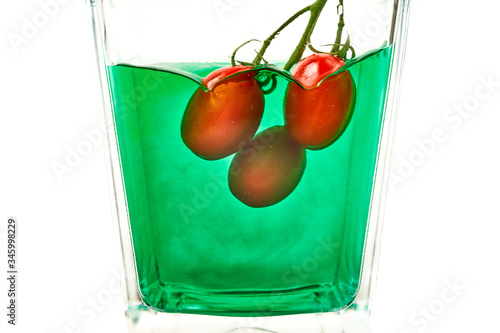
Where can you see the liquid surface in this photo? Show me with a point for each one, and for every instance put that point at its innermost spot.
(200, 250)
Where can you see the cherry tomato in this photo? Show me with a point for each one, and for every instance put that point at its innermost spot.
(218, 122)
(316, 116)
(267, 169)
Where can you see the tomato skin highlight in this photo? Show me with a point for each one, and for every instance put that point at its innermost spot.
(316, 116)
(267, 169)
(219, 122)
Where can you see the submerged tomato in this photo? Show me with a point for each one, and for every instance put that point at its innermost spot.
(267, 169)
(316, 116)
(218, 122)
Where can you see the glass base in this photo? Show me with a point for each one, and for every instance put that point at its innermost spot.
(142, 319)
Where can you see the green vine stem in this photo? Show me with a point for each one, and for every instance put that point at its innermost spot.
(315, 10)
(338, 39)
(274, 84)
(269, 39)
(233, 56)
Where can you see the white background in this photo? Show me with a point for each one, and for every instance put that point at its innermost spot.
(442, 225)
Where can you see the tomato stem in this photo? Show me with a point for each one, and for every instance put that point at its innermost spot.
(233, 56)
(269, 39)
(338, 39)
(273, 86)
(315, 10)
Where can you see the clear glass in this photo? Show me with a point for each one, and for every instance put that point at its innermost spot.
(212, 237)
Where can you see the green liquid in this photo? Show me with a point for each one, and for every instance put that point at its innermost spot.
(200, 250)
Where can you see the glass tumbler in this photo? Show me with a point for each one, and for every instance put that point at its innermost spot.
(249, 145)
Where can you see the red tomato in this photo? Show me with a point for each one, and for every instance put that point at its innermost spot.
(315, 117)
(218, 122)
(267, 169)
